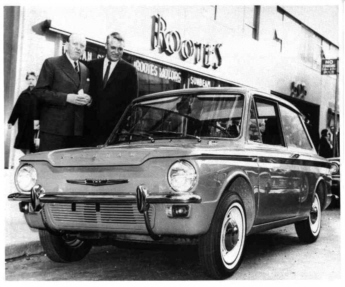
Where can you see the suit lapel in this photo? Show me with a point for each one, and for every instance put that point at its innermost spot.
(83, 75)
(99, 70)
(116, 72)
(79, 110)
(67, 68)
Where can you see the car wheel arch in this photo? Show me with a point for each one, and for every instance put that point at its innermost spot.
(239, 183)
(321, 189)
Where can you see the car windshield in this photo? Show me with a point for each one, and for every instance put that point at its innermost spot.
(186, 116)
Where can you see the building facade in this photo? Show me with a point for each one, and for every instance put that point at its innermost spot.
(270, 48)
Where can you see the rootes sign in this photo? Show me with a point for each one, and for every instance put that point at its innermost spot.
(171, 42)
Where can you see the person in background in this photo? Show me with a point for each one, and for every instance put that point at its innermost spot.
(325, 144)
(25, 111)
(114, 84)
(336, 146)
(61, 91)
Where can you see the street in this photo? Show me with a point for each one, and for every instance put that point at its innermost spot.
(273, 255)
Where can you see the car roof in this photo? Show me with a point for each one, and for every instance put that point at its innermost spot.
(215, 90)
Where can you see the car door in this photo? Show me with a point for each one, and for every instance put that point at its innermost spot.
(300, 145)
(278, 197)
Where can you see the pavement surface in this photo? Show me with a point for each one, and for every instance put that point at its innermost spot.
(20, 239)
(276, 254)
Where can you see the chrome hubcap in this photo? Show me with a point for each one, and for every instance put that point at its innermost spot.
(315, 215)
(232, 236)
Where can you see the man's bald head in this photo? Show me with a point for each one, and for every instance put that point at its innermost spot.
(76, 46)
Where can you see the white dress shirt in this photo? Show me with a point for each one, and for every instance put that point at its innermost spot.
(72, 62)
(112, 66)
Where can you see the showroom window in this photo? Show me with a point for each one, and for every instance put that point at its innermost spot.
(155, 77)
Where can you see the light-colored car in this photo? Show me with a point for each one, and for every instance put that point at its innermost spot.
(193, 166)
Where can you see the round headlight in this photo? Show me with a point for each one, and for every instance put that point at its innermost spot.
(182, 176)
(26, 177)
(334, 168)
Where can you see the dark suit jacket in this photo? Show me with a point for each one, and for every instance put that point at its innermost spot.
(57, 79)
(109, 103)
(325, 148)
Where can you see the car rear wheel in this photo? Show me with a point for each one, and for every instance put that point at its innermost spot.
(63, 248)
(309, 230)
(221, 248)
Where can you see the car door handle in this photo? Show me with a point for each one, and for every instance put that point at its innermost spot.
(295, 155)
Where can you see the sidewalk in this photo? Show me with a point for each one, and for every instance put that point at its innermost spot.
(20, 239)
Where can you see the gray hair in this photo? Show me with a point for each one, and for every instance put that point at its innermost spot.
(116, 36)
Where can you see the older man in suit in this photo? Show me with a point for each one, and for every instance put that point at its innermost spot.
(114, 84)
(61, 90)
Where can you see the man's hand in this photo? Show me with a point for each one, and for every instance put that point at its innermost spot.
(79, 100)
(88, 99)
(36, 124)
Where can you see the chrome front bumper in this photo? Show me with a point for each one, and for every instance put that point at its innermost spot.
(37, 198)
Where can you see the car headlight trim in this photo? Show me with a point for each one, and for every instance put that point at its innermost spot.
(334, 168)
(182, 176)
(26, 178)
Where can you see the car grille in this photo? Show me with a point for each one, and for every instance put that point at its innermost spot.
(105, 217)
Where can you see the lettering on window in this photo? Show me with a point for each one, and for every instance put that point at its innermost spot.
(154, 70)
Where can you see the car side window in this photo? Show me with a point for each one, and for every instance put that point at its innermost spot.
(253, 127)
(269, 123)
(295, 133)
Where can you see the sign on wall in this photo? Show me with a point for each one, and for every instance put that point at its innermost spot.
(171, 42)
(329, 67)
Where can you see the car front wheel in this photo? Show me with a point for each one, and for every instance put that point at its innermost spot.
(221, 248)
(308, 230)
(63, 248)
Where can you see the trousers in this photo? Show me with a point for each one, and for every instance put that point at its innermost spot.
(52, 142)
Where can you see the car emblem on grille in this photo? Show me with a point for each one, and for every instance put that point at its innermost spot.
(98, 182)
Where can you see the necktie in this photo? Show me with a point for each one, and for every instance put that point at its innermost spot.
(76, 67)
(105, 79)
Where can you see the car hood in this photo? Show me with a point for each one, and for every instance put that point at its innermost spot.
(123, 155)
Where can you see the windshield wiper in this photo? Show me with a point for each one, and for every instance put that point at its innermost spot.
(176, 133)
(137, 134)
(193, 136)
(166, 133)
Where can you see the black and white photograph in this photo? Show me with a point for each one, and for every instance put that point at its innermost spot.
(187, 141)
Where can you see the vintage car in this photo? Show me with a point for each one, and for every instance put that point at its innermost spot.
(335, 169)
(193, 166)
